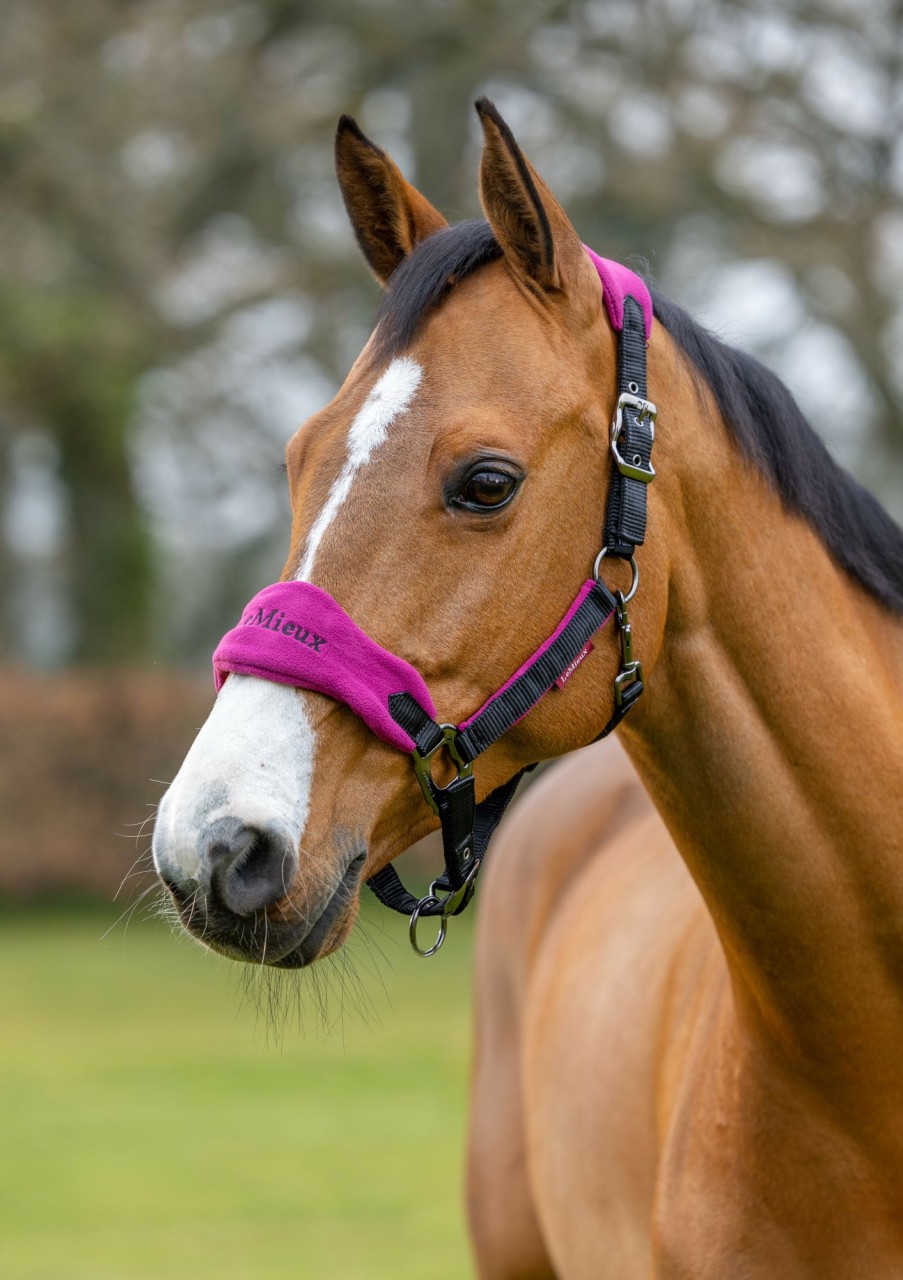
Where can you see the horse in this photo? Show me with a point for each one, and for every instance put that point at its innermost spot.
(687, 1065)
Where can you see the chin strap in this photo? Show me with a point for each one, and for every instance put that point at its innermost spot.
(467, 827)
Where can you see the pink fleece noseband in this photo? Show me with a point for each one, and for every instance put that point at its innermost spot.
(294, 633)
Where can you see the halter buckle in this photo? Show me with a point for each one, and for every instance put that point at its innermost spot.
(628, 684)
(428, 785)
(629, 680)
(646, 412)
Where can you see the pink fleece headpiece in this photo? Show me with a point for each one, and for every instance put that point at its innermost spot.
(617, 282)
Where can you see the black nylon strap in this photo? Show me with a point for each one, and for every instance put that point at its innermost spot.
(466, 826)
(387, 888)
(386, 884)
(457, 805)
(491, 811)
(625, 517)
(505, 710)
(523, 693)
(631, 695)
(407, 712)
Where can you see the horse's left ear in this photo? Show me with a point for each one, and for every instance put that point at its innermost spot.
(536, 236)
(388, 215)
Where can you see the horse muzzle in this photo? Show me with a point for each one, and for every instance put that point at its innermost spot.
(248, 909)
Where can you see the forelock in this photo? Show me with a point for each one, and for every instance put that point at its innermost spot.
(426, 277)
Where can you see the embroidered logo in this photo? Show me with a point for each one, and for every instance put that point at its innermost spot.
(275, 620)
(574, 664)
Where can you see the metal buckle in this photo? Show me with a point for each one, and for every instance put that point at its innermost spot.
(646, 412)
(449, 905)
(428, 784)
(625, 680)
(631, 673)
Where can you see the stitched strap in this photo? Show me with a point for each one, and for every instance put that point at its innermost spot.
(457, 804)
(521, 694)
(408, 714)
(625, 517)
(631, 694)
(593, 607)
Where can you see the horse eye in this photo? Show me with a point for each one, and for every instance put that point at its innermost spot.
(486, 489)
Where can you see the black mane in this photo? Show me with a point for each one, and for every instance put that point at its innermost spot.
(761, 414)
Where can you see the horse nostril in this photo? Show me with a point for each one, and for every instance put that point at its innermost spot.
(250, 867)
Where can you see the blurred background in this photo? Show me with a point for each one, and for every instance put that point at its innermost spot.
(180, 289)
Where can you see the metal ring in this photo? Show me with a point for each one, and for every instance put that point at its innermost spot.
(633, 565)
(412, 928)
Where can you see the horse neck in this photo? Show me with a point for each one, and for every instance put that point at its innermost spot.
(771, 740)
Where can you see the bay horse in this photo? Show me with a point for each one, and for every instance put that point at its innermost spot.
(687, 1066)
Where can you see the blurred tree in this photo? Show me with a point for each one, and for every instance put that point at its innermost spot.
(180, 287)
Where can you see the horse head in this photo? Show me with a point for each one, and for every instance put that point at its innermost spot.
(450, 499)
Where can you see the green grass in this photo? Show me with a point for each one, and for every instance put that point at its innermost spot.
(153, 1124)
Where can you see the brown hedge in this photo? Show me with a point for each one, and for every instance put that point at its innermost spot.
(82, 761)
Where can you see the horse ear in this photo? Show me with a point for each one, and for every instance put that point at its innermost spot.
(536, 236)
(388, 215)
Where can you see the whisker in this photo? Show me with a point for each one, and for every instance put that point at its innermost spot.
(140, 867)
(129, 910)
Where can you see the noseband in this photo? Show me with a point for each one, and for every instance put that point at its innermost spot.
(294, 633)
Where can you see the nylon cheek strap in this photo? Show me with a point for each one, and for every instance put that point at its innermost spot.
(629, 307)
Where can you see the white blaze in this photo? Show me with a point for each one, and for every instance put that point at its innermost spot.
(391, 396)
(254, 758)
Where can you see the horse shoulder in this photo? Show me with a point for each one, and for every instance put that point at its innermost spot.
(561, 824)
(584, 854)
(534, 857)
